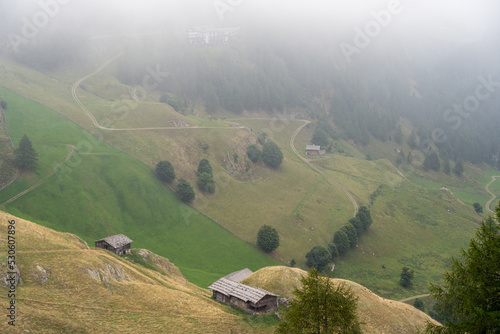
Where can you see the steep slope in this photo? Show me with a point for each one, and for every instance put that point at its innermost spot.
(69, 287)
(379, 315)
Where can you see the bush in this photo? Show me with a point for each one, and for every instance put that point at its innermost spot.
(165, 171)
(3, 105)
(342, 242)
(254, 153)
(268, 238)
(271, 154)
(185, 191)
(318, 257)
(365, 217)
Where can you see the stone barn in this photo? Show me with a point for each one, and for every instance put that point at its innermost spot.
(118, 244)
(248, 298)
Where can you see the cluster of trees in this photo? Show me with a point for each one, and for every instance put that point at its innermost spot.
(345, 238)
(432, 161)
(205, 174)
(268, 238)
(270, 154)
(166, 173)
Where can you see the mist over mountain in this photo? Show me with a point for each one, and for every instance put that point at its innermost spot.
(361, 66)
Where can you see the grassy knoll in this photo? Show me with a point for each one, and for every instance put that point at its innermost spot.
(70, 288)
(376, 314)
(102, 191)
(413, 227)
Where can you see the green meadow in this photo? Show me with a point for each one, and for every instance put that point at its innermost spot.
(102, 191)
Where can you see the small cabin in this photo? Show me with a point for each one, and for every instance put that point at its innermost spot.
(247, 298)
(313, 150)
(118, 244)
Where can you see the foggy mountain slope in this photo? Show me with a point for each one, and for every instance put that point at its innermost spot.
(295, 53)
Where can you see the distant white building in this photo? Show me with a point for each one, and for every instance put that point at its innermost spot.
(208, 36)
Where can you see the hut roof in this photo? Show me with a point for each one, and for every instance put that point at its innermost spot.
(240, 291)
(313, 147)
(117, 240)
(239, 275)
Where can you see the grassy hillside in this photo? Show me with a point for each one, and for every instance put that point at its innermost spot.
(377, 314)
(304, 206)
(67, 287)
(102, 191)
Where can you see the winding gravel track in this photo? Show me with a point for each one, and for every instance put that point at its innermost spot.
(493, 196)
(292, 145)
(39, 183)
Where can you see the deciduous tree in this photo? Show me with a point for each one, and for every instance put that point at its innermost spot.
(185, 191)
(206, 183)
(254, 153)
(478, 207)
(350, 230)
(271, 154)
(205, 167)
(342, 242)
(268, 238)
(318, 257)
(364, 216)
(165, 171)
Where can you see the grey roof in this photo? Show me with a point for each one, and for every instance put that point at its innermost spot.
(240, 291)
(117, 240)
(313, 147)
(239, 275)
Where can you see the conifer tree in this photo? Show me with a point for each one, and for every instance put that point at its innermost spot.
(26, 156)
(470, 292)
(321, 307)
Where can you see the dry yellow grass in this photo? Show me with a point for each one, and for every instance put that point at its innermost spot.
(379, 315)
(71, 288)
